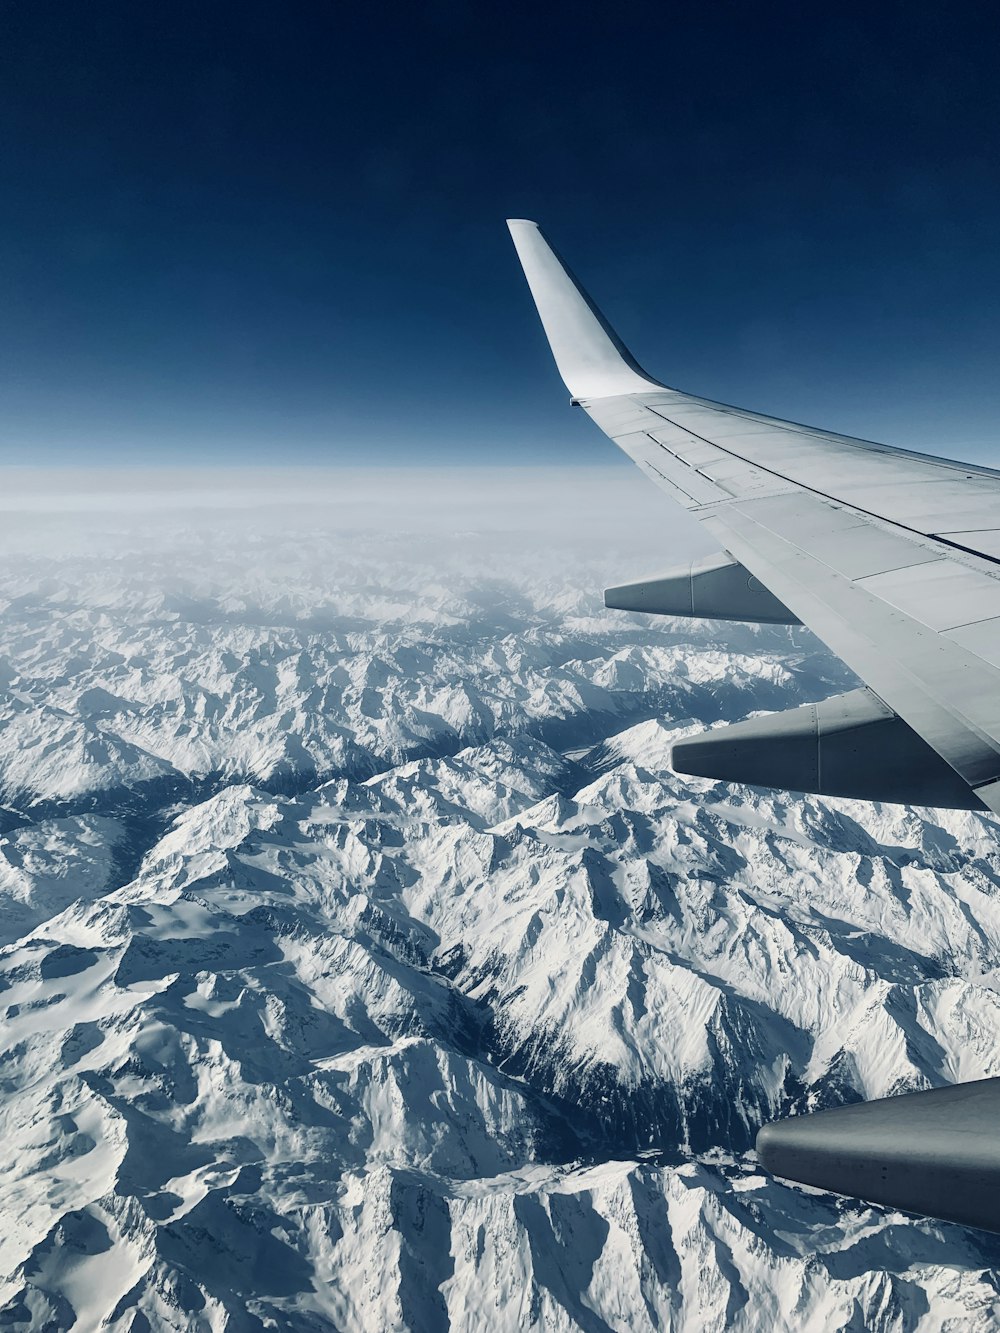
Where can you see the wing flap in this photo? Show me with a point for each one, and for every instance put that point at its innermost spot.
(941, 594)
(981, 638)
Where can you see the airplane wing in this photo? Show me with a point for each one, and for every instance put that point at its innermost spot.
(892, 558)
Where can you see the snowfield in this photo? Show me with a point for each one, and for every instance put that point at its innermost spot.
(365, 967)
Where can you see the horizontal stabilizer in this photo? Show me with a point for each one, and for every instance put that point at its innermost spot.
(852, 745)
(715, 587)
(935, 1152)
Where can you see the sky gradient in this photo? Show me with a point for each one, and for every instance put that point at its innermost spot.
(270, 233)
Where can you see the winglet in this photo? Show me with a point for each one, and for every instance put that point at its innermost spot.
(592, 360)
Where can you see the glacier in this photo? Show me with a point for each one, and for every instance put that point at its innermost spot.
(364, 966)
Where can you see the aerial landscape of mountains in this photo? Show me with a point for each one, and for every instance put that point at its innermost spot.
(366, 966)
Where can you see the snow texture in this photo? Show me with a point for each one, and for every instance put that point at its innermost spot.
(365, 967)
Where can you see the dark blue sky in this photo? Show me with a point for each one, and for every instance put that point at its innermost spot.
(276, 231)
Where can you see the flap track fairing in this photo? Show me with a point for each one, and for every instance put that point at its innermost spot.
(716, 587)
(852, 745)
(935, 1152)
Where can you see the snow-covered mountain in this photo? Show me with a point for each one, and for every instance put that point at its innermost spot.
(365, 967)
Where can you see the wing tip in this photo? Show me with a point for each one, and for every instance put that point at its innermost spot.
(591, 358)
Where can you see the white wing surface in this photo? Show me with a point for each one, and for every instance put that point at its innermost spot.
(892, 558)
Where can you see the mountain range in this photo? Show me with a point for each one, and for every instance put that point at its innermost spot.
(365, 966)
